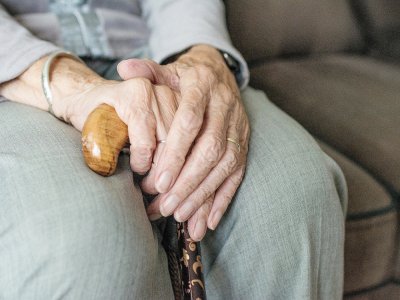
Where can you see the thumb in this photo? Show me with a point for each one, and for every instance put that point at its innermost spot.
(157, 74)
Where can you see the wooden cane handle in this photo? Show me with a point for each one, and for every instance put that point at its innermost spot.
(103, 137)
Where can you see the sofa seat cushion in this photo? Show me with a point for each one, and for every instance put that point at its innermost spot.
(350, 102)
(371, 227)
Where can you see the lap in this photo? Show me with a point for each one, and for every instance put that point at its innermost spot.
(42, 168)
(57, 217)
(290, 186)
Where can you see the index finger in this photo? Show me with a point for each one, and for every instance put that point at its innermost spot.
(185, 127)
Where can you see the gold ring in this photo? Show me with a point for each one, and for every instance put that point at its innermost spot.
(234, 142)
(161, 141)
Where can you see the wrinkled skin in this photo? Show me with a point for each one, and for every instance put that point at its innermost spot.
(197, 171)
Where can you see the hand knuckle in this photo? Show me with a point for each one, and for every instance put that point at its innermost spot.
(205, 71)
(175, 157)
(139, 165)
(189, 186)
(232, 160)
(226, 198)
(212, 150)
(195, 91)
(145, 152)
(224, 171)
(220, 116)
(210, 200)
(203, 193)
(142, 114)
(236, 180)
(190, 120)
(204, 211)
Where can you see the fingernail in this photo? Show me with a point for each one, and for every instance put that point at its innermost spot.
(169, 205)
(164, 181)
(154, 217)
(199, 229)
(215, 220)
(184, 212)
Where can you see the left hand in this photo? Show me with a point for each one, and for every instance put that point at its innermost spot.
(198, 171)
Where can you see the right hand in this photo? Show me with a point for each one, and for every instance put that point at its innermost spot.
(147, 110)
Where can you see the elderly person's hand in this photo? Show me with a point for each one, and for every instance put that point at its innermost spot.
(148, 110)
(204, 157)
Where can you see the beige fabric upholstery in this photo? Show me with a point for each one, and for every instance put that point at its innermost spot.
(397, 267)
(351, 102)
(381, 25)
(370, 228)
(367, 196)
(387, 292)
(267, 28)
(369, 248)
(380, 15)
(334, 65)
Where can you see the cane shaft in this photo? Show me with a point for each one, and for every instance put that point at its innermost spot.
(193, 286)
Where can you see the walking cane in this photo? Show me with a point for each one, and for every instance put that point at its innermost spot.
(103, 137)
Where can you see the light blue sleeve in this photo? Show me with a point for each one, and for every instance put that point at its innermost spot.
(19, 49)
(176, 25)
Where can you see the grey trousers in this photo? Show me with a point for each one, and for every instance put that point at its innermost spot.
(68, 233)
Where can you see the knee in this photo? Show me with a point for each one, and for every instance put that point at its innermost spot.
(289, 181)
(83, 241)
(107, 229)
(289, 206)
(287, 219)
(286, 168)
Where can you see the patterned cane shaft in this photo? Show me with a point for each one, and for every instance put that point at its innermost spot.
(192, 269)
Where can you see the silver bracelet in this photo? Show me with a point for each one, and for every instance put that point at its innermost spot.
(46, 76)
